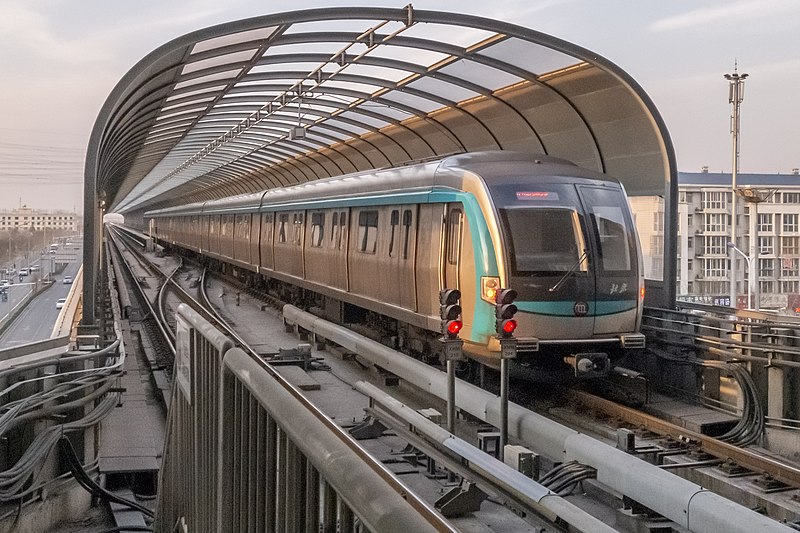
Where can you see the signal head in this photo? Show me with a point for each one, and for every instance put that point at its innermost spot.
(505, 296)
(449, 312)
(449, 296)
(452, 328)
(505, 311)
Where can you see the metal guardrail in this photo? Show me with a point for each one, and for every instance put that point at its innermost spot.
(187, 489)
(244, 451)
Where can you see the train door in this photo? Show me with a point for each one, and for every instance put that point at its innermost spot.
(451, 257)
(617, 268)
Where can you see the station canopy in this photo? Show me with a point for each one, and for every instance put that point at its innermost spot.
(283, 99)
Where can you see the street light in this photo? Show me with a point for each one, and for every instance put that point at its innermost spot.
(749, 273)
(753, 197)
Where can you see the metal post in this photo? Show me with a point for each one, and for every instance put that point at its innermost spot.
(755, 269)
(454, 351)
(735, 97)
(451, 397)
(508, 351)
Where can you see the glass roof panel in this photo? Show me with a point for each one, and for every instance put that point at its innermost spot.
(389, 111)
(183, 94)
(360, 117)
(480, 74)
(302, 66)
(447, 33)
(234, 38)
(346, 126)
(375, 71)
(411, 100)
(426, 58)
(529, 56)
(216, 61)
(443, 89)
(363, 88)
(327, 131)
(225, 75)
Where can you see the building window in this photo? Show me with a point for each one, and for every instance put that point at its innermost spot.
(790, 267)
(790, 223)
(716, 268)
(716, 245)
(790, 286)
(766, 268)
(790, 246)
(791, 197)
(658, 221)
(714, 200)
(767, 287)
(766, 245)
(716, 222)
(765, 222)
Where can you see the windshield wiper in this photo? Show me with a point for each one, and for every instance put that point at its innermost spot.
(568, 272)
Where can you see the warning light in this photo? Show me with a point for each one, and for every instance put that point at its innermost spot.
(641, 293)
(454, 326)
(509, 326)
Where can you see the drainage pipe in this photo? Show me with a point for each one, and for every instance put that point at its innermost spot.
(679, 500)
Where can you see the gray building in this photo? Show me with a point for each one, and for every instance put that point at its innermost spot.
(705, 226)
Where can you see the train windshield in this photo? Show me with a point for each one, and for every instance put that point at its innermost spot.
(608, 210)
(544, 240)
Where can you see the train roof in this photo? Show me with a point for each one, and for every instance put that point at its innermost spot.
(442, 172)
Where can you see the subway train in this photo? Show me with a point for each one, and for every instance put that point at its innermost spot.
(373, 249)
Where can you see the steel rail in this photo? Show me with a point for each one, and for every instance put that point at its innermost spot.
(170, 342)
(757, 463)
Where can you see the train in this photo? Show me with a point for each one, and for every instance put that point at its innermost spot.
(374, 249)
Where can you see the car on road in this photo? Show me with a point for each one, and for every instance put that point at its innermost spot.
(67, 280)
(60, 303)
(4, 283)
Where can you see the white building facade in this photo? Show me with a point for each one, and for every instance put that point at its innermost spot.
(705, 224)
(27, 218)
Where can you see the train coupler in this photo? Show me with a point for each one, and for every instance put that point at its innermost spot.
(589, 365)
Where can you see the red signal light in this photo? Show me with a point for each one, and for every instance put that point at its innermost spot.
(454, 326)
(509, 326)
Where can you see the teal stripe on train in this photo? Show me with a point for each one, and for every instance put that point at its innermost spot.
(567, 308)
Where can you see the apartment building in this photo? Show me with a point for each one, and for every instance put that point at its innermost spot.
(27, 218)
(706, 227)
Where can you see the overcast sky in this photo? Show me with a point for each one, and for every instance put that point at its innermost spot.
(59, 60)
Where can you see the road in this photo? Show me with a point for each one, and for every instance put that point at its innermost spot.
(36, 321)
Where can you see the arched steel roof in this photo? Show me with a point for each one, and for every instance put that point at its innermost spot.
(281, 99)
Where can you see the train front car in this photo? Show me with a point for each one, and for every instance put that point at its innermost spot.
(568, 246)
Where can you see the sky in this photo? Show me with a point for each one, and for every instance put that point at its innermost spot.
(60, 59)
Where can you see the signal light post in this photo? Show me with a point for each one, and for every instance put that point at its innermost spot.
(505, 325)
(450, 313)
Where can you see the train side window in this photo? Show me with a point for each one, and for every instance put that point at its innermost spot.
(368, 231)
(453, 236)
(283, 221)
(343, 232)
(317, 229)
(395, 221)
(406, 231)
(297, 227)
(335, 230)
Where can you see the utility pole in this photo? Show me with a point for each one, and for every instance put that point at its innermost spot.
(735, 97)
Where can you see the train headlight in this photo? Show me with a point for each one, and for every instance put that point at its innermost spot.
(489, 286)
